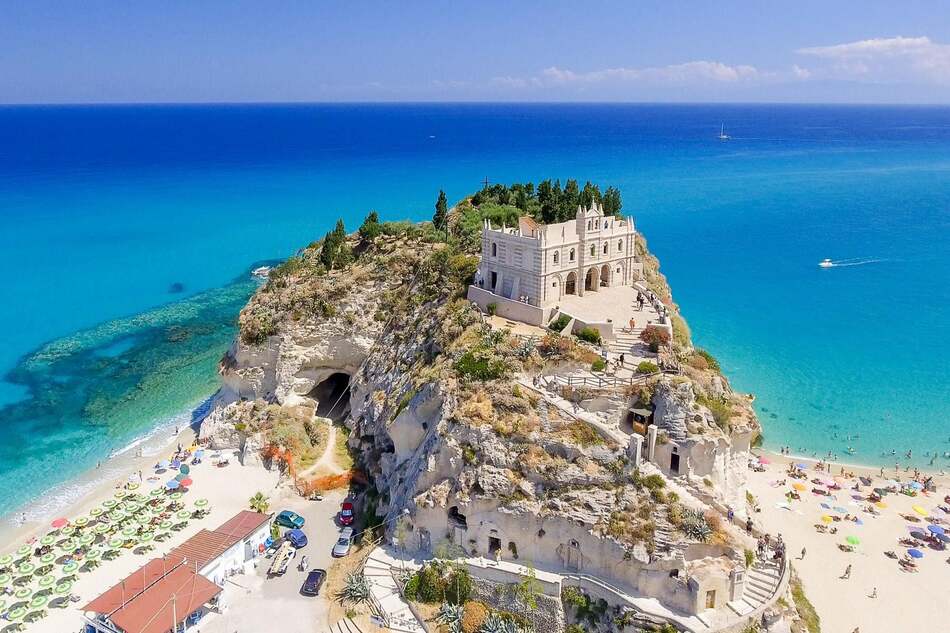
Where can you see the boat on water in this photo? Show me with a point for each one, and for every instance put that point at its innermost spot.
(826, 263)
(261, 272)
(722, 133)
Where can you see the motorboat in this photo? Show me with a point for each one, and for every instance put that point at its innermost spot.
(826, 263)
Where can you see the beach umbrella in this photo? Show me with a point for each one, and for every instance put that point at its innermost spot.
(24, 550)
(96, 512)
(935, 529)
(185, 469)
(919, 510)
(129, 532)
(109, 503)
(120, 494)
(116, 542)
(162, 464)
(68, 530)
(853, 540)
(132, 485)
(941, 537)
(166, 525)
(81, 521)
(915, 553)
(16, 614)
(94, 554)
(840, 510)
(68, 545)
(22, 593)
(38, 602)
(186, 482)
(26, 569)
(172, 484)
(87, 539)
(917, 534)
(70, 567)
(49, 539)
(801, 466)
(827, 518)
(881, 504)
(156, 492)
(5, 560)
(201, 503)
(63, 588)
(176, 463)
(58, 523)
(175, 496)
(145, 537)
(916, 485)
(48, 558)
(5, 579)
(102, 528)
(47, 581)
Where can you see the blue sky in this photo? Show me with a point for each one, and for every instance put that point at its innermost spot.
(201, 51)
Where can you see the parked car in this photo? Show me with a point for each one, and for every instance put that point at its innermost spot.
(297, 538)
(346, 513)
(342, 547)
(311, 586)
(290, 520)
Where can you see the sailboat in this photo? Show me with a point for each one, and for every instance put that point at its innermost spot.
(722, 133)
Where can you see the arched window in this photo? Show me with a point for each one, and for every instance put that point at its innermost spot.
(619, 245)
(555, 257)
(605, 248)
(494, 249)
(572, 254)
(593, 250)
(605, 224)
(590, 224)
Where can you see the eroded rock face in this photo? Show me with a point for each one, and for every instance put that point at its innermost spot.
(674, 403)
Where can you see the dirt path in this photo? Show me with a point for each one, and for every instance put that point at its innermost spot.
(326, 465)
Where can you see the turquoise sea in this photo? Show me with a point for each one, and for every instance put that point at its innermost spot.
(127, 234)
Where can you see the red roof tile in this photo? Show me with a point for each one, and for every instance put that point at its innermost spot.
(202, 548)
(243, 524)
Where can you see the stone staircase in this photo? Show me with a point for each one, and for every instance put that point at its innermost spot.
(761, 582)
(385, 595)
(667, 544)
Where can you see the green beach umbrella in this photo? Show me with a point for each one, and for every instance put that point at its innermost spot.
(129, 532)
(5, 579)
(201, 503)
(110, 503)
(156, 492)
(22, 593)
(132, 486)
(63, 588)
(102, 528)
(176, 496)
(185, 469)
(5, 560)
(854, 540)
(146, 537)
(94, 554)
(48, 558)
(68, 545)
(70, 567)
(24, 550)
(47, 581)
(49, 539)
(120, 494)
(26, 568)
(183, 514)
(166, 524)
(81, 521)
(87, 539)
(38, 602)
(68, 530)
(116, 542)
(95, 512)
(16, 614)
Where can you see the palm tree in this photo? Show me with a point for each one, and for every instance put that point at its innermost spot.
(259, 502)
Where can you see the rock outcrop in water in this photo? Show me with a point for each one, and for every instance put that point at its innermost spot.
(450, 423)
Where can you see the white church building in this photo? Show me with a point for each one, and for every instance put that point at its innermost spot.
(526, 270)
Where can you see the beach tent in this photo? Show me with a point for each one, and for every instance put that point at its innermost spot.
(60, 522)
(172, 484)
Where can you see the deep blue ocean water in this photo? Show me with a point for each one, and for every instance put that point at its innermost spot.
(127, 234)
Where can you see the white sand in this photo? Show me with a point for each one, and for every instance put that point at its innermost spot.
(905, 601)
(227, 489)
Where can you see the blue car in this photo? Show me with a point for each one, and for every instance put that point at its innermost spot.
(297, 538)
(289, 519)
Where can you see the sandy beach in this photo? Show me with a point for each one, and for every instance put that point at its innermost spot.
(868, 598)
(226, 488)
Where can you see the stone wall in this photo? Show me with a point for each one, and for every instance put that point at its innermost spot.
(545, 615)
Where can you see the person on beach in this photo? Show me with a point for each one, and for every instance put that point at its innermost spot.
(802, 557)
(873, 593)
(748, 525)
(621, 359)
(847, 572)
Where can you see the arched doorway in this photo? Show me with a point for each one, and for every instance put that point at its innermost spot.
(605, 275)
(592, 280)
(570, 287)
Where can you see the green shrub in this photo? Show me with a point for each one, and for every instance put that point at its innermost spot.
(653, 482)
(749, 557)
(709, 358)
(590, 335)
(598, 365)
(492, 309)
(646, 367)
(558, 324)
(412, 588)
(458, 588)
(481, 364)
(431, 584)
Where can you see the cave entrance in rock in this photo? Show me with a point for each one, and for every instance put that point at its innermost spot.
(332, 396)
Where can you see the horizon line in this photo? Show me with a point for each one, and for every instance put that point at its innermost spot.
(54, 104)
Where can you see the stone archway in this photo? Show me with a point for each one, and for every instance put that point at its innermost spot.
(332, 396)
(592, 279)
(570, 286)
(556, 289)
(605, 275)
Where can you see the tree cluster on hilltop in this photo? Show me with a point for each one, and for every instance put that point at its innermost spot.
(549, 202)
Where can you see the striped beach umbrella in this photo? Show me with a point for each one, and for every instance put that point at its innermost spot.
(201, 503)
(68, 530)
(5, 560)
(102, 528)
(94, 554)
(26, 568)
(38, 602)
(176, 496)
(22, 593)
(116, 542)
(183, 514)
(70, 567)
(48, 558)
(68, 545)
(95, 512)
(5, 579)
(156, 492)
(166, 524)
(129, 532)
(109, 504)
(63, 588)
(49, 539)
(146, 537)
(47, 581)
(120, 494)
(24, 550)
(87, 539)
(132, 485)
(81, 521)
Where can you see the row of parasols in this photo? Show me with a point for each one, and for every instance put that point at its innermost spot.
(128, 520)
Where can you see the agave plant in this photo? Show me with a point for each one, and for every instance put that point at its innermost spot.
(495, 624)
(695, 525)
(451, 616)
(355, 589)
